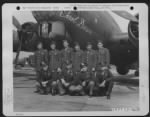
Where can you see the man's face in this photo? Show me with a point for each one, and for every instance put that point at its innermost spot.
(65, 44)
(45, 68)
(89, 47)
(69, 67)
(99, 45)
(40, 46)
(77, 47)
(59, 70)
(53, 46)
(84, 69)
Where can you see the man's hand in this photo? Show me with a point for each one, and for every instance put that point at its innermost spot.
(84, 69)
(43, 63)
(62, 80)
(83, 83)
(44, 83)
(45, 67)
(104, 68)
(81, 69)
(102, 84)
(66, 84)
(93, 69)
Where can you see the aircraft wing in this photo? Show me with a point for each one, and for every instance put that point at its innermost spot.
(126, 15)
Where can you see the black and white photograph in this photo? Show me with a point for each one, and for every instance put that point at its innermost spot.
(75, 60)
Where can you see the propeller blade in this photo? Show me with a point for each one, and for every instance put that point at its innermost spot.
(15, 35)
(16, 23)
(126, 15)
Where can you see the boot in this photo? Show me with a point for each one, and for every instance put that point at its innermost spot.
(108, 97)
(53, 92)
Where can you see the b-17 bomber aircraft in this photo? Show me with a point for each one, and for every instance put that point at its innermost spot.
(81, 27)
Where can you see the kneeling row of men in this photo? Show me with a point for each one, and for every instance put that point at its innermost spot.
(74, 72)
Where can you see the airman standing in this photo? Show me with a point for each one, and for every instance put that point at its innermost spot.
(40, 59)
(103, 55)
(66, 55)
(90, 57)
(77, 58)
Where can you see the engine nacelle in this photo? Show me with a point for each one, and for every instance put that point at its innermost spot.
(133, 32)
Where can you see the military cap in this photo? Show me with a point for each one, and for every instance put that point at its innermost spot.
(53, 42)
(89, 43)
(39, 42)
(43, 64)
(76, 44)
(65, 40)
(100, 41)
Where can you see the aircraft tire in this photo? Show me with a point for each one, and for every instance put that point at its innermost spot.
(122, 70)
(136, 73)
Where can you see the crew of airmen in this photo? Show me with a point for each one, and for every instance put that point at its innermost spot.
(73, 71)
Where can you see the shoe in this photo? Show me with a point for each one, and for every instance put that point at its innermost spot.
(61, 94)
(90, 95)
(82, 93)
(37, 91)
(45, 93)
(42, 92)
(53, 92)
(108, 97)
(71, 94)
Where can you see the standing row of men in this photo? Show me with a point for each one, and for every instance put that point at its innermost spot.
(70, 69)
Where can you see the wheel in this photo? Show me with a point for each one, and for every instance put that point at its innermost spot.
(122, 70)
(22, 65)
(136, 73)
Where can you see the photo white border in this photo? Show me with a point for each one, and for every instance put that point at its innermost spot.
(7, 47)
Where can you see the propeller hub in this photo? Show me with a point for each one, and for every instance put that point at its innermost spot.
(133, 32)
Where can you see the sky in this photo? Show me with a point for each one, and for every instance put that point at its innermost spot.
(26, 16)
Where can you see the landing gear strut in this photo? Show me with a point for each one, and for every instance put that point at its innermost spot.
(18, 51)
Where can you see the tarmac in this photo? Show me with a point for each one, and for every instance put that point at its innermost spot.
(125, 95)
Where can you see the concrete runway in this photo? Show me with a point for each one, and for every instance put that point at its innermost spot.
(124, 95)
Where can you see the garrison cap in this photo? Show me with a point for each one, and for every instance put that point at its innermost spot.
(39, 42)
(65, 40)
(89, 43)
(53, 42)
(76, 44)
(100, 41)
